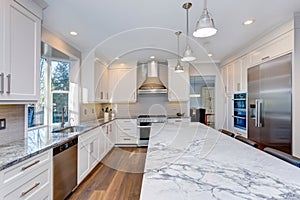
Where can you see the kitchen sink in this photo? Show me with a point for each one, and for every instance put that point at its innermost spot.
(71, 129)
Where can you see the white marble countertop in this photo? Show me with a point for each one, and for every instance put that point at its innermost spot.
(37, 141)
(193, 161)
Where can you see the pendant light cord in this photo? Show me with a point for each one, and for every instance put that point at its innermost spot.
(187, 26)
(178, 57)
(205, 4)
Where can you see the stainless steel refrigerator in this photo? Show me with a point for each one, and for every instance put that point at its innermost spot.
(270, 103)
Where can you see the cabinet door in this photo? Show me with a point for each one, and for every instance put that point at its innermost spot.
(122, 84)
(244, 72)
(100, 82)
(22, 53)
(178, 84)
(230, 78)
(94, 151)
(83, 159)
(229, 114)
(237, 79)
(102, 143)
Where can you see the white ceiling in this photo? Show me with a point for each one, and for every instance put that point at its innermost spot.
(137, 29)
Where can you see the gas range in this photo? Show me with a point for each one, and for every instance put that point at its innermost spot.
(152, 118)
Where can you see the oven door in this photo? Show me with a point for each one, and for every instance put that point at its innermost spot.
(144, 129)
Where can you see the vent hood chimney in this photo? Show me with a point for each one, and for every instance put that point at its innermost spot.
(152, 84)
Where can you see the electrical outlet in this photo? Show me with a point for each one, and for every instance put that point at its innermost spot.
(85, 111)
(2, 124)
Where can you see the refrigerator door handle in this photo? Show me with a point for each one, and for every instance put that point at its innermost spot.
(258, 105)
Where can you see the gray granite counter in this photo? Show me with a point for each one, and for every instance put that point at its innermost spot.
(38, 141)
(193, 161)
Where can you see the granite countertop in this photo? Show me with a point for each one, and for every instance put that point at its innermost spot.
(193, 161)
(38, 141)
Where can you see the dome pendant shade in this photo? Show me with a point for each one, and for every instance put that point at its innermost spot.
(178, 67)
(205, 26)
(188, 55)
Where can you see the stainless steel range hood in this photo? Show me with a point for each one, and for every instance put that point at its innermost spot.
(152, 84)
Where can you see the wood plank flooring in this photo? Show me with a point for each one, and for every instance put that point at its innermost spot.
(118, 177)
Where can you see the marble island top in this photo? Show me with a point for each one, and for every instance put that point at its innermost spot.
(193, 161)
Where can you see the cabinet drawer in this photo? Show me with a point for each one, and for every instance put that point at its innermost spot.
(126, 122)
(126, 140)
(15, 172)
(30, 186)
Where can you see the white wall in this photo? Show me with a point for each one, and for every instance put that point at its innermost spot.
(210, 69)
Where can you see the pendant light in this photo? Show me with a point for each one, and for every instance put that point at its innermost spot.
(188, 53)
(205, 26)
(178, 67)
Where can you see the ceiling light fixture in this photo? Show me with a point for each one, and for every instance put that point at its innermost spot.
(73, 33)
(178, 67)
(117, 58)
(248, 22)
(152, 57)
(205, 26)
(209, 54)
(188, 53)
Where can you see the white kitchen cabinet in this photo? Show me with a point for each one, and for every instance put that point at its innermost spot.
(88, 152)
(110, 138)
(122, 85)
(228, 120)
(275, 48)
(30, 179)
(178, 83)
(20, 48)
(94, 80)
(126, 132)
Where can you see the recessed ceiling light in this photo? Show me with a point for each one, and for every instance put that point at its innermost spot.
(152, 57)
(122, 64)
(248, 21)
(73, 33)
(117, 58)
(209, 54)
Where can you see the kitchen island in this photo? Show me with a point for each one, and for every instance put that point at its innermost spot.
(193, 161)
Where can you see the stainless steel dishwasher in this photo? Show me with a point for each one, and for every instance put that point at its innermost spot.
(65, 169)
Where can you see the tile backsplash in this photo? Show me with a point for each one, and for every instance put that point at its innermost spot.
(92, 111)
(15, 123)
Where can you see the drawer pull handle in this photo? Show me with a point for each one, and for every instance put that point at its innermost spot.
(178, 120)
(2, 83)
(126, 139)
(126, 129)
(36, 162)
(8, 83)
(264, 58)
(29, 190)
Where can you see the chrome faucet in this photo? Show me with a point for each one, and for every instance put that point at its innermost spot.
(63, 117)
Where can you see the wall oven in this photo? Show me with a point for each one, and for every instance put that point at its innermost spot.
(240, 111)
(144, 123)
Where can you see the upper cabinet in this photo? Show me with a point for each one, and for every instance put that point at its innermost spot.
(178, 83)
(277, 47)
(122, 85)
(94, 80)
(20, 51)
(235, 73)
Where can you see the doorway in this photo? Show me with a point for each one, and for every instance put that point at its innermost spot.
(202, 99)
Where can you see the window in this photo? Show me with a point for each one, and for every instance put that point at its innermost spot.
(36, 112)
(54, 94)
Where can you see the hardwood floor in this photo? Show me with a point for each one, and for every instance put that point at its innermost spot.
(118, 177)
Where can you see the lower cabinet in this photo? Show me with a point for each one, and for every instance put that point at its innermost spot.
(93, 147)
(30, 179)
(126, 132)
(88, 153)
